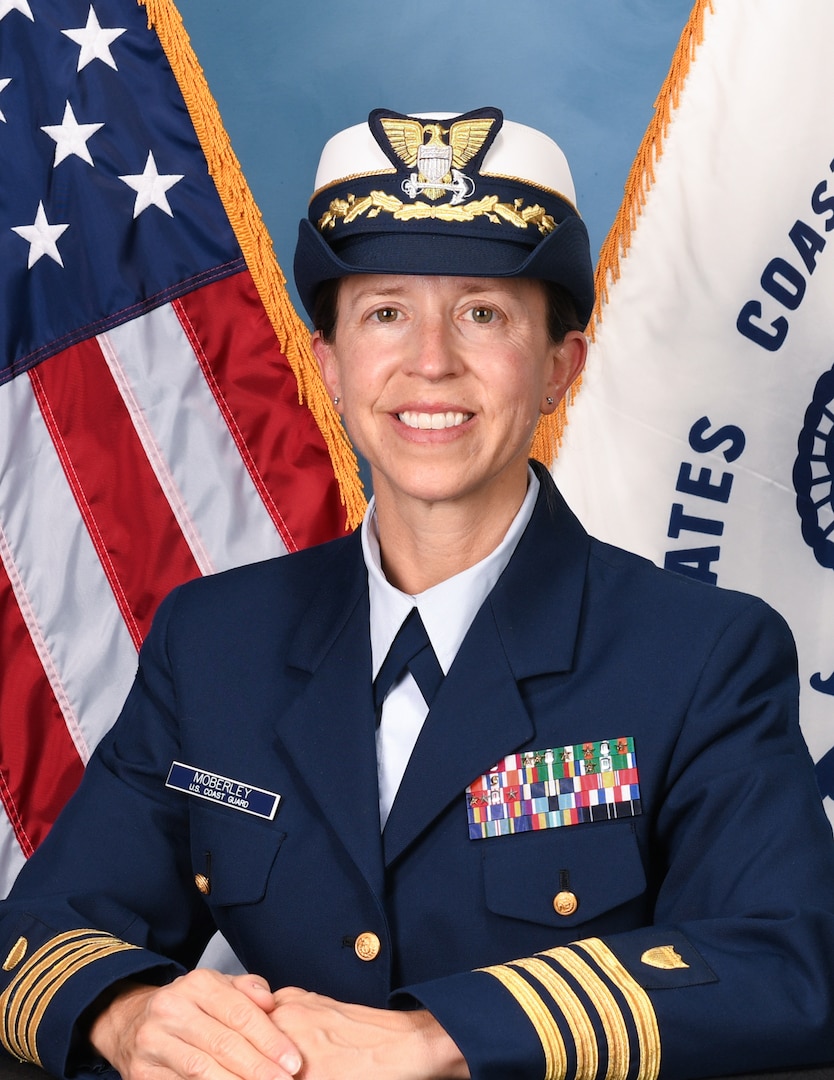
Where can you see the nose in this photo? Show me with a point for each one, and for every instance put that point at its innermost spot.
(436, 352)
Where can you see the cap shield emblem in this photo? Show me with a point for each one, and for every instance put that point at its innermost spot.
(435, 155)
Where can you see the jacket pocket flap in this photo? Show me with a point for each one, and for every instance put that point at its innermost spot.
(234, 853)
(591, 869)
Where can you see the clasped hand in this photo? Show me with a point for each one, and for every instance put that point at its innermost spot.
(209, 1026)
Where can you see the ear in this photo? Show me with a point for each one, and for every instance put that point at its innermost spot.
(326, 358)
(568, 361)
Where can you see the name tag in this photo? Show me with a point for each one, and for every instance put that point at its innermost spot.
(224, 790)
(563, 785)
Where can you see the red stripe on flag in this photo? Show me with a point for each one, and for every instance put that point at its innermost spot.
(257, 393)
(39, 764)
(136, 536)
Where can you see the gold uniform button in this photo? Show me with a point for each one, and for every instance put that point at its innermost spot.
(565, 903)
(203, 884)
(367, 946)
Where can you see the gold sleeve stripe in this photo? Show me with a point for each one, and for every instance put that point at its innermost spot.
(27, 997)
(23, 992)
(553, 1045)
(16, 996)
(63, 973)
(32, 1001)
(581, 1028)
(613, 1024)
(645, 1020)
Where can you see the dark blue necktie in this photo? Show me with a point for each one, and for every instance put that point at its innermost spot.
(411, 650)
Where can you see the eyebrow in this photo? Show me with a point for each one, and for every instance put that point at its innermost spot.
(380, 292)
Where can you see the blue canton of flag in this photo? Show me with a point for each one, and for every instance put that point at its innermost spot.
(102, 178)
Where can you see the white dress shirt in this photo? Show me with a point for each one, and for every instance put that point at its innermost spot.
(447, 611)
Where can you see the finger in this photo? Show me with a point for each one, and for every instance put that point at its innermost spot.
(256, 989)
(294, 993)
(241, 1006)
(211, 1020)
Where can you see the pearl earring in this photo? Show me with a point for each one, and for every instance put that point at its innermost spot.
(336, 400)
(549, 400)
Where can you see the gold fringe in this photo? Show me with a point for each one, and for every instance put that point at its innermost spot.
(641, 178)
(550, 429)
(257, 249)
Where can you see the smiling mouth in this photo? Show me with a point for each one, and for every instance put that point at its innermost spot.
(433, 421)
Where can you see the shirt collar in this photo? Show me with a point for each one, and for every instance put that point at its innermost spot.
(447, 609)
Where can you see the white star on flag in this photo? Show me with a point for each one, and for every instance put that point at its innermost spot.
(42, 237)
(150, 187)
(70, 137)
(95, 41)
(3, 84)
(15, 5)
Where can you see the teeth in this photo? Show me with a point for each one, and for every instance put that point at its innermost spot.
(433, 421)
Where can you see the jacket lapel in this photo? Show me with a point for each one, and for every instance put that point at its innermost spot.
(330, 730)
(527, 626)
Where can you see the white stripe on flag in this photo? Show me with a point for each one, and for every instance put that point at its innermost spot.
(223, 516)
(90, 653)
(11, 857)
(155, 456)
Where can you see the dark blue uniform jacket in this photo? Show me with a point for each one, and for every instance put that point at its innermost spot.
(698, 937)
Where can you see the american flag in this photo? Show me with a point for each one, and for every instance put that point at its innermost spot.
(151, 428)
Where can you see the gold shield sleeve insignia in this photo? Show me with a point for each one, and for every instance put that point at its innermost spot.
(665, 957)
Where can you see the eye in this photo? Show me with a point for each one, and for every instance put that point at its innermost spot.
(386, 314)
(483, 315)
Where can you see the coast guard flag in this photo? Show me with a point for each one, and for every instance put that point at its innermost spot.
(150, 423)
(702, 435)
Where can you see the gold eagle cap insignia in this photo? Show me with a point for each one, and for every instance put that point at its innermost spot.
(665, 957)
(466, 137)
(435, 150)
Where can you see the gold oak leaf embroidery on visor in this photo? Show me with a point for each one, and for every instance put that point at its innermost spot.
(378, 202)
